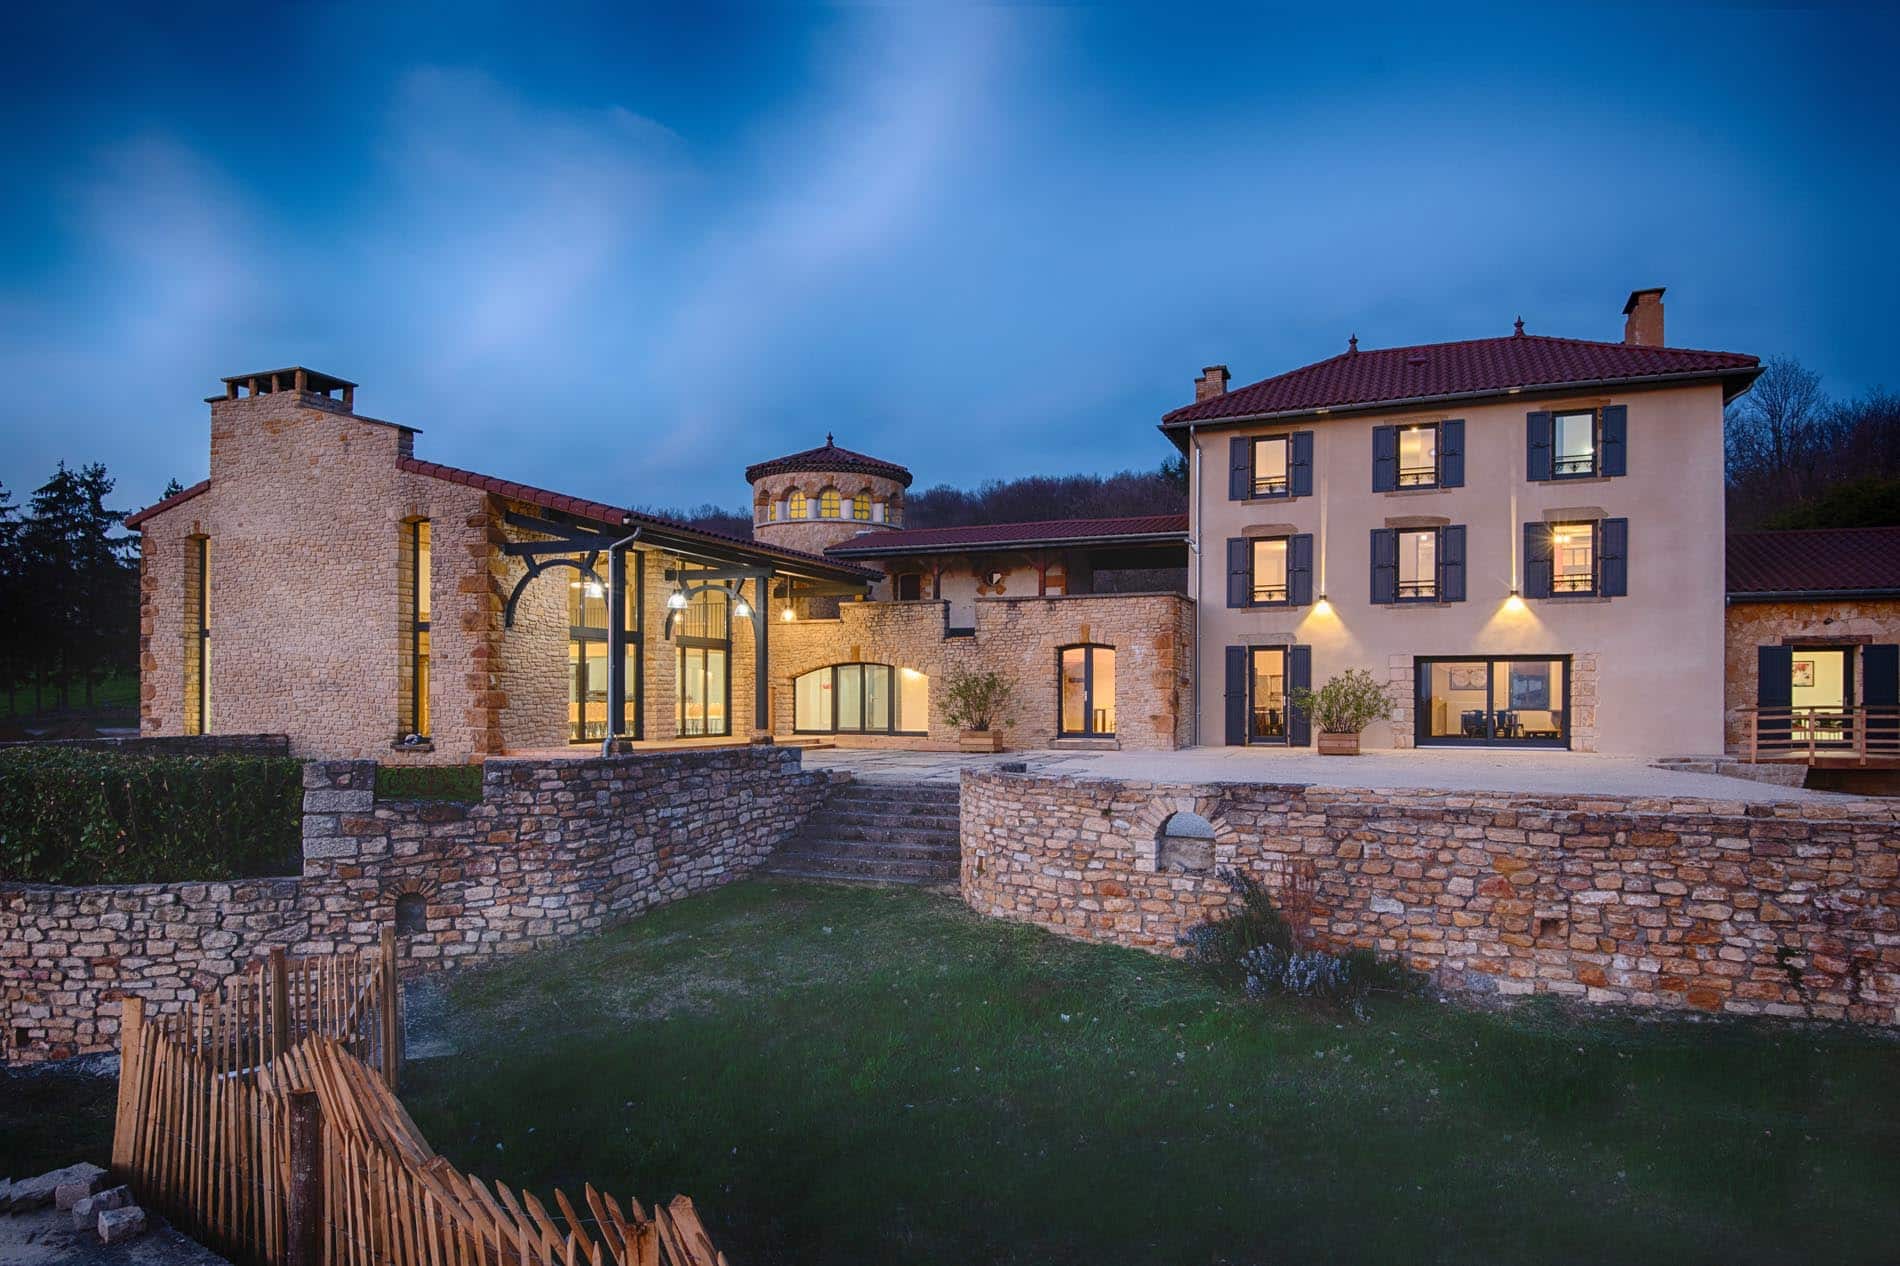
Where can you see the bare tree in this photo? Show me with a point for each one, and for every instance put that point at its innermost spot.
(1779, 437)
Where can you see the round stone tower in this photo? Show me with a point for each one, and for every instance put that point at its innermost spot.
(824, 497)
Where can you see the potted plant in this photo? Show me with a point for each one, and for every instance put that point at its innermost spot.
(1343, 707)
(975, 702)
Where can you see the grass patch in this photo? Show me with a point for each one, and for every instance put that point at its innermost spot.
(429, 782)
(858, 1074)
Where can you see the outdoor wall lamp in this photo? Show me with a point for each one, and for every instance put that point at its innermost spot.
(676, 601)
(786, 614)
(742, 608)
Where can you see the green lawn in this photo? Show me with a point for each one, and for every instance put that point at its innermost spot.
(866, 1075)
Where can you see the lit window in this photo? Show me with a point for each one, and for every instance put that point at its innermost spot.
(198, 637)
(861, 699)
(1269, 467)
(1575, 437)
(1418, 455)
(795, 505)
(861, 507)
(415, 709)
(829, 504)
(1087, 684)
(1573, 558)
(1418, 566)
(1269, 570)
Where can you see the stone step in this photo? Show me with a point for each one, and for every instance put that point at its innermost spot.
(898, 850)
(834, 816)
(889, 802)
(848, 877)
(855, 866)
(874, 835)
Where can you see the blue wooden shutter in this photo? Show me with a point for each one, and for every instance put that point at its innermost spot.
(1385, 458)
(1235, 696)
(1300, 465)
(1616, 425)
(1451, 563)
(1239, 468)
(1537, 442)
(1451, 453)
(1774, 688)
(1385, 564)
(1239, 572)
(1299, 676)
(1299, 569)
(1537, 560)
(1880, 681)
(1613, 569)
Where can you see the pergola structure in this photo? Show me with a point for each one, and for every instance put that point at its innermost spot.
(566, 539)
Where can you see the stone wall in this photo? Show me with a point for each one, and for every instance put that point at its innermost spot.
(1790, 910)
(554, 850)
(172, 745)
(1755, 624)
(1152, 634)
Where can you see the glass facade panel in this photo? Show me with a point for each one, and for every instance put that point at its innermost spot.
(1418, 456)
(877, 697)
(913, 701)
(1269, 466)
(1575, 437)
(1418, 566)
(811, 701)
(1267, 695)
(1074, 689)
(587, 657)
(850, 698)
(1493, 700)
(1269, 569)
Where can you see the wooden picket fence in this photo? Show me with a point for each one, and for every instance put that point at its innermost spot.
(264, 1120)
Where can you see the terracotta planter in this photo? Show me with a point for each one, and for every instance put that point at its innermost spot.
(980, 741)
(1338, 744)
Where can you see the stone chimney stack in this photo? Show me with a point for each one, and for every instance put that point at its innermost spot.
(1643, 318)
(1211, 383)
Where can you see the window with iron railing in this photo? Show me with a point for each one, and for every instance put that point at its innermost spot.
(1270, 458)
(1574, 437)
(1418, 566)
(1270, 570)
(1418, 456)
(1573, 567)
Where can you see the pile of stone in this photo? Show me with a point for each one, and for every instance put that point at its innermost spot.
(82, 1190)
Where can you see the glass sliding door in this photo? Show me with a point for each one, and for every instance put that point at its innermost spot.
(587, 655)
(1494, 699)
(1086, 692)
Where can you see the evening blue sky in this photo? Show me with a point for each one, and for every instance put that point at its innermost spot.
(622, 252)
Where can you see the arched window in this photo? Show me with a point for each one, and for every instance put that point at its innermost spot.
(1086, 691)
(861, 699)
(829, 504)
(795, 505)
(412, 914)
(861, 507)
(1185, 842)
(705, 677)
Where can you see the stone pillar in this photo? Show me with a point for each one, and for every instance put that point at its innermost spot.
(339, 802)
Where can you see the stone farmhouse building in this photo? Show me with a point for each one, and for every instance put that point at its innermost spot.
(1521, 535)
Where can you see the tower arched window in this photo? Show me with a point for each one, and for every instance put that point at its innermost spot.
(861, 507)
(829, 504)
(795, 505)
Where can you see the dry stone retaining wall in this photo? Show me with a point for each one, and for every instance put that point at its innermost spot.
(1790, 909)
(554, 850)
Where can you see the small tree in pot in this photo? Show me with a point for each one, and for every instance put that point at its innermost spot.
(977, 704)
(1343, 707)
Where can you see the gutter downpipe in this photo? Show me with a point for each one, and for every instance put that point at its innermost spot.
(617, 640)
(1194, 561)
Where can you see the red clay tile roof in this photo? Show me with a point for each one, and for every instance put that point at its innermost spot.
(829, 457)
(1476, 367)
(604, 513)
(176, 499)
(1814, 561)
(1144, 529)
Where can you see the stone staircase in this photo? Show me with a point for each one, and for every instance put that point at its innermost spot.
(877, 832)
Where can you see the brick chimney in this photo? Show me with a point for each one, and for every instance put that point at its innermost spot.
(1643, 318)
(1211, 383)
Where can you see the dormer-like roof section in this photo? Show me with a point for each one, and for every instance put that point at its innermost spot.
(1433, 372)
(828, 458)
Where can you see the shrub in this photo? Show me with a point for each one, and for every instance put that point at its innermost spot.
(72, 816)
(976, 701)
(1254, 946)
(429, 782)
(1347, 704)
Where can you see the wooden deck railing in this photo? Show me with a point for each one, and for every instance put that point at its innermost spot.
(1861, 735)
(264, 1121)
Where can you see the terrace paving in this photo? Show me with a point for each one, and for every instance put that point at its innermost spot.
(1448, 769)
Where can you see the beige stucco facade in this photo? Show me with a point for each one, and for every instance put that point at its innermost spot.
(1647, 668)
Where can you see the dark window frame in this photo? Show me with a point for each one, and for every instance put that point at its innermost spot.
(1285, 737)
(1596, 559)
(1425, 591)
(1421, 669)
(1437, 466)
(1088, 689)
(891, 676)
(1557, 471)
(584, 634)
(686, 641)
(1286, 572)
(1284, 491)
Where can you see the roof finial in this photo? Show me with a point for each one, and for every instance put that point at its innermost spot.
(828, 443)
(1352, 344)
(1518, 330)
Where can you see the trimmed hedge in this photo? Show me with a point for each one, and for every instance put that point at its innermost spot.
(73, 816)
(429, 782)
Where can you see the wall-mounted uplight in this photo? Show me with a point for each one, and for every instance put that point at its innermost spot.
(1322, 607)
(1514, 603)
